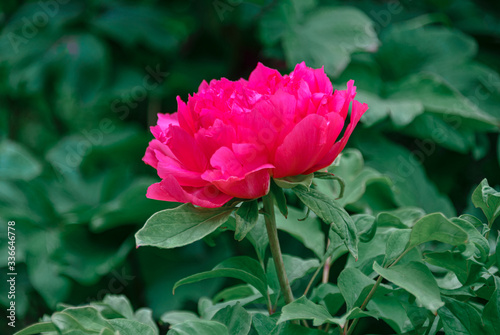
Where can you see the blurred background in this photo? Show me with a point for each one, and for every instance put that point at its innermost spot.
(81, 81)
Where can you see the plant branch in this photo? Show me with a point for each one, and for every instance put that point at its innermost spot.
(272, 233)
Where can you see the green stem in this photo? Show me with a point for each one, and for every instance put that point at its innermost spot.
(274, 244)
(372, 292)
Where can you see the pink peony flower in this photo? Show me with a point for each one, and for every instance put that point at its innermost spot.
(233, 136)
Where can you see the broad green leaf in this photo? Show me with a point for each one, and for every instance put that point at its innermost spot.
(436, 227)
(16, 162)
(180, 226)
(258, 237)
(328, 36)
(455, 262)
(303, 308)
(293, 181)
(113, 306)
(488, 199)
(328, 295)
(491, 312)
(234, 293)
(333, 214)
(460, 318)
(132, 327)
(366, 226)
(37, 328)
(279, 198)
(80, 318)
(241, 267)
(307, 231)
(236, 319)
(477, 245)
(415, 278)
(392, 312)
(291, 329)
(199, 327)
(396, 245)
(175, 317)
(355, 287)
(246, 218)
(357, 177)
(262, 324)
(441, 98)
(295, 268)
(404, 217)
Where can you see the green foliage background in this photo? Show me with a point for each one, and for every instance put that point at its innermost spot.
(81, 81)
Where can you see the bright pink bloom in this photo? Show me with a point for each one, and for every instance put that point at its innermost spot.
(233, 136)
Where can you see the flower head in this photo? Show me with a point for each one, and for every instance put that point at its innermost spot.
(231, 137)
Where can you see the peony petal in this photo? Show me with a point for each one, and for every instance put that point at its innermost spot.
(155, 146)
(301, 147)
(165, 120)
(254, 184)
(186, 150)
(264, 79)
(358, 109)
(170, 190)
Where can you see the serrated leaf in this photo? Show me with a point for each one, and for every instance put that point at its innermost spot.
(415, 278)
(436, 227)
(330, 212)
(180, 226)
(241, 267)
(246, 218)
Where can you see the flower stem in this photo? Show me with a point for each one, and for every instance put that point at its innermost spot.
(274, 244)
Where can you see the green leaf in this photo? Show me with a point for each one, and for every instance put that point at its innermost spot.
(460, 318)
(16, 162)
(303, 308)
(329, 295)
(488, 199)
(293, 181)
(328, 36)
(396, 245)
(491, 312)
(455, 262)
(262, 324)
(175, 317)
(291, 329)
(436, 227)
(366, 226)
(404, 217)
(415, 278)
(180, 226)
(132, 327)
(241, 267)
(37, 328)
(279, 198)
(246, 218)
(307, 231)
(199, 327)
(236, 319)
(79, 318)
(355, 287)
(477, 245)
(392, 312)
(295, 268)
(332, 213)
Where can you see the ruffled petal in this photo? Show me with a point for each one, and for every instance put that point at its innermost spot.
(170, 190)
